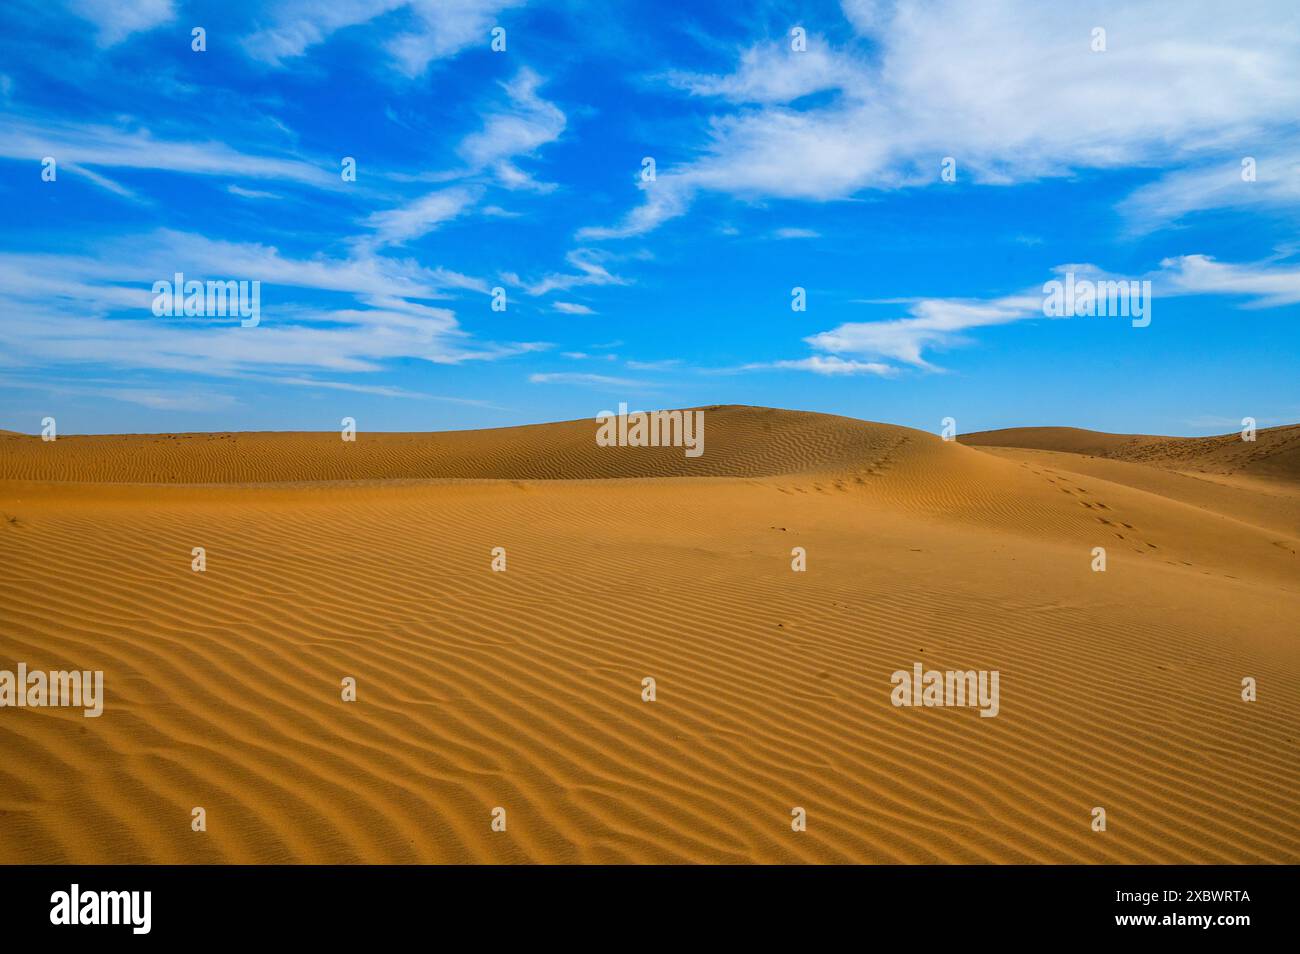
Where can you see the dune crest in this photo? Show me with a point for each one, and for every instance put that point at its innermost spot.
(741, 442)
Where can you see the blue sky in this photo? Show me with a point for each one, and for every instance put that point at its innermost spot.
(522, 170)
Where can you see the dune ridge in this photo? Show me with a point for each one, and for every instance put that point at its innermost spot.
(1275, 452)
(522, 689)
(739, 442)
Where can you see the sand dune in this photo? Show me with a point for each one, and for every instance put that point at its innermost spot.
(1275, 452)
(522, 689)
(740, 442)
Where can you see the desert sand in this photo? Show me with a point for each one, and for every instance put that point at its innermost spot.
(523, 689)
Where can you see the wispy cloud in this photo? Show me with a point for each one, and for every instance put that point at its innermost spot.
(940, 322)
(95, 308)
(576, 377)
(517, 129)
(590, 271)
(1009, 96)
(526, 123)
(80, 147)
(181, 400)
(1268, 180)
(157, 399)
(932, 323)
(826, 365)
(430, 30)
(1265, 284)
(117, 20)
(665, 365)
(251, 193)
(395, 226)
(768, 73)
(380, 390)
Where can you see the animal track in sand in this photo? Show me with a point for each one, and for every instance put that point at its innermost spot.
(1085, 499)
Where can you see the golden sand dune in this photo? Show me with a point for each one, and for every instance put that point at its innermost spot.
(740, 442)
(1275, 452)
(523, 689)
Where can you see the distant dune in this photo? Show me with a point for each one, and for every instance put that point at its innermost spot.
(523, 689)
(1275, 452)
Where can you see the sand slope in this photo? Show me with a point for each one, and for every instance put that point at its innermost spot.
(522, 689)
(1275, 452)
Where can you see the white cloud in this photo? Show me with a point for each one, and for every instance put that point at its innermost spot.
(665, 365)
(115, 20)
(664, 199)
(95, 309)
(575, 377)
(250, 193)
(523, 125)
(827, 365)
(395, 226)
(1267, 284)
(384, 279)
(438, 28)
(589, 272)
(867, 16)
(102, 181)
(1217, 186)
(77, 146)
(933, 322)
(528, 123)
(795, 233)
(572, 308)
(160, 400)
(381, 390)
(773, 73)
(1009, 88)
(940, 322)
